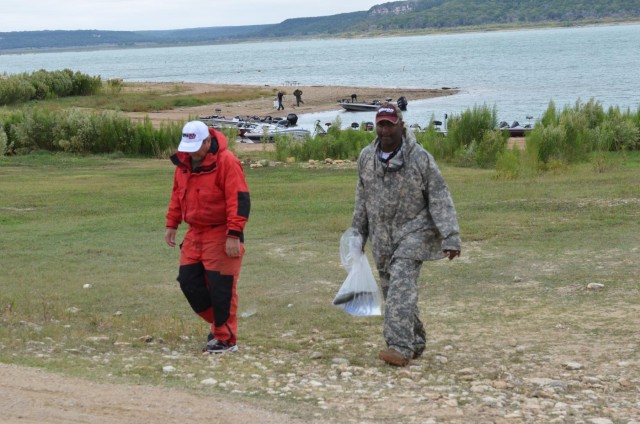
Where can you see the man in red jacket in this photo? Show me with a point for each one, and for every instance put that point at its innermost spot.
(210, 194)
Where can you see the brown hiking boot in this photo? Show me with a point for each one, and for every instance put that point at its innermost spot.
(393, 357)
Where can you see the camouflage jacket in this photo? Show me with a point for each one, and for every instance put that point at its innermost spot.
(404, 207)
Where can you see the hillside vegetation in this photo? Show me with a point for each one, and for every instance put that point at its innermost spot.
(399, 16)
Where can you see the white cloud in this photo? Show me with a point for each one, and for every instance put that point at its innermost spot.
(35, 15)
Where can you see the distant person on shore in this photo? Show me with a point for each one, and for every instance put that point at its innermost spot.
(210, 194)
(298, 94)
(404, 207)
(280, 97)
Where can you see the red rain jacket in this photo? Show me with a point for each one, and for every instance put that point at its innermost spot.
(213, 194)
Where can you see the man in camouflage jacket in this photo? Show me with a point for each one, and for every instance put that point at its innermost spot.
(404, 207)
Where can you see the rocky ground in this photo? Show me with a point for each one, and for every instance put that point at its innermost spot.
(496, 382)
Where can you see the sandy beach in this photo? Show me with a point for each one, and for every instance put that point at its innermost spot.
(315, 98)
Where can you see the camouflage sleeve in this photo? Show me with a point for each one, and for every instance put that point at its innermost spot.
(360, 219)
(441, 207)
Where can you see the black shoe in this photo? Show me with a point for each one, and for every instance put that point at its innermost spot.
(209, 338)
(218, 346)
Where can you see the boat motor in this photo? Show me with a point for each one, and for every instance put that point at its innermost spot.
(402, 103)
(292, 118)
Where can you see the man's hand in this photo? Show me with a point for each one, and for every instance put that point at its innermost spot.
(232, 248)
(451, 254)
(170, 236)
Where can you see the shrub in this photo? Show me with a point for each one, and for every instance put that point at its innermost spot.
(544, 142)
(35, 132)
(435, 142)
(69, 134)
(51, 84)
(625, 133)
(3, 140)
(493, 143)
(549, 117)
(335, 144)
(42, 84)
(466, 156)
(85, 85)
(575, 141)
(82, 132)
(470, 126)
(508, 164)
(15, 89)
(115, 85)
(592, 112)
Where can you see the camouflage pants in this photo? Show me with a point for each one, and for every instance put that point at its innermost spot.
(403, 329)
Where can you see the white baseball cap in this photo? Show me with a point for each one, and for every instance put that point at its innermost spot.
(193, 134)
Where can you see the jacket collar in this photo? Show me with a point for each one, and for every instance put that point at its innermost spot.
(397, 160)
(218, 144)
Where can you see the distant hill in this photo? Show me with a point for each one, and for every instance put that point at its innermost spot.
(87, 39)
(447, 14)
(396, 17)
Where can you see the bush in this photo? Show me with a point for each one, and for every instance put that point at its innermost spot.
(15, 90)
(493, 143)
(575, 142)
(42, 84)
(35, 132)
(70, 134)
(115, 85)
(471, 126)
(508, 164)
(624, 130)
(435, 142)
(51, 84)
(85, 85)
(570, 136)
(544, 142)
(466, 156)
(82, 132)
(3, 140)
(335, 144)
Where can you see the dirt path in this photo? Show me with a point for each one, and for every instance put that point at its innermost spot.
(30, 395)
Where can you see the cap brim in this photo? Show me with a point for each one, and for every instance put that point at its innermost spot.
(385, 118)
(189, 147)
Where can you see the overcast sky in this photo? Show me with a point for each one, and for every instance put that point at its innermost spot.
(36, 15)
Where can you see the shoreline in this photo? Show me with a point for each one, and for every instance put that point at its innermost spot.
(316, 98)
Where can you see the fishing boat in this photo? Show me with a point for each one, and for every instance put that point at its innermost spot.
(515, 129)
(217, 121)
(261, 132)
(360, 106)
(372, 106)
(255, 129)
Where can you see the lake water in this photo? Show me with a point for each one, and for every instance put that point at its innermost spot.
(518, 72)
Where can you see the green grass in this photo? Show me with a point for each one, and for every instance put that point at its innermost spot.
(130, 99)
(67, 221)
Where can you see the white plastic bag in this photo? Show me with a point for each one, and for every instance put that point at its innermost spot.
(359, 294)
